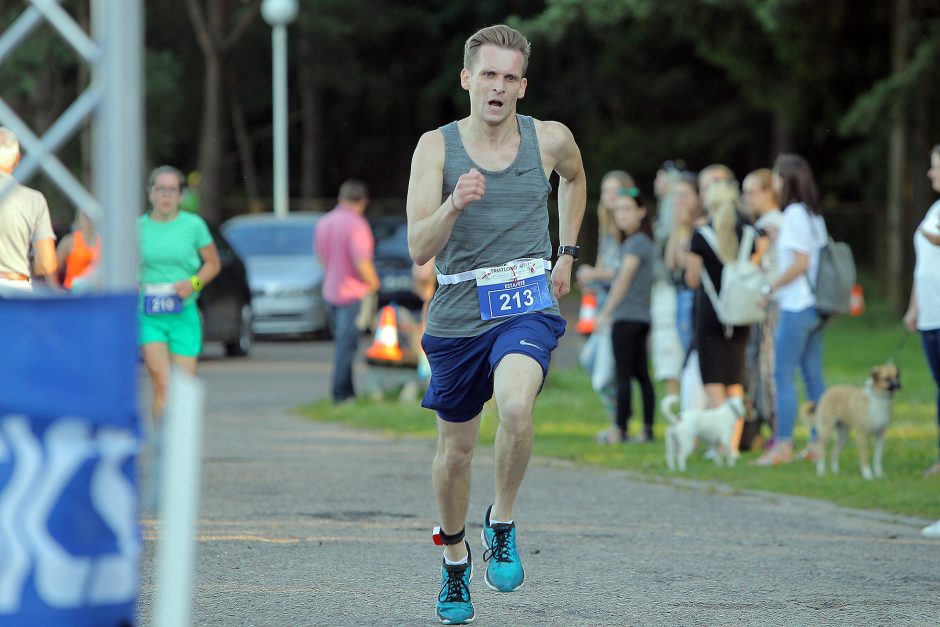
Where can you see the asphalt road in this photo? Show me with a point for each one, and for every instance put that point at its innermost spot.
(304, 523)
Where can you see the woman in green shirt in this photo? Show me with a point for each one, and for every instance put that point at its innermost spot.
(178, 258)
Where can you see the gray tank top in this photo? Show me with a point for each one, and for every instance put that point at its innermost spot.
(509, 222)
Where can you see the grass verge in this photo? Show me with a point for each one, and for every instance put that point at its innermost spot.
(568, 414)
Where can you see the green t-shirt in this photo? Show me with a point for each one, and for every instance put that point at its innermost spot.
(169, 251)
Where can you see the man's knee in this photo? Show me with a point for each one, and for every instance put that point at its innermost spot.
(515, 414)
(455, 454)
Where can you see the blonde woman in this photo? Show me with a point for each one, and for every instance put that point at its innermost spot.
(721, 358)
(599, 276)
(686, 210)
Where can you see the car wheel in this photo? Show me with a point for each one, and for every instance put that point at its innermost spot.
(241, 346)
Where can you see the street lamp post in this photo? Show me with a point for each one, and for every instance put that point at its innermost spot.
(279, 13)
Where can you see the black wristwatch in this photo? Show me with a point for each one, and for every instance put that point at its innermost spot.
(574, 251)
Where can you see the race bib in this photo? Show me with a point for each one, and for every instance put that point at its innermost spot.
(511, 289)
(161, 298)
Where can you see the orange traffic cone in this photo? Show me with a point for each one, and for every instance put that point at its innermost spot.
(857, 301)
(385, 345)
(587, 313)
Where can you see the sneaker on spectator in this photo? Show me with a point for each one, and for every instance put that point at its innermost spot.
(931, 531)
(610, 435)
(811, 453)
(454, 606)
(504, 571)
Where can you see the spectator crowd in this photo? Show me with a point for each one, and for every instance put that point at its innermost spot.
(657, 280)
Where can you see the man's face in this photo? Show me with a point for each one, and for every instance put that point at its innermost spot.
(495, 83)
(757, 199)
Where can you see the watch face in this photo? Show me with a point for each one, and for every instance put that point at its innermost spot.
(569, 250)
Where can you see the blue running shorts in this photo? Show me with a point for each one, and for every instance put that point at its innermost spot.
(462, 367)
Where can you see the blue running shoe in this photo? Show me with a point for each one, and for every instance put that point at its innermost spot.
(453, 601)
(504, 571)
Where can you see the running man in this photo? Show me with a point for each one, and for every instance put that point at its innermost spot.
(478, 200)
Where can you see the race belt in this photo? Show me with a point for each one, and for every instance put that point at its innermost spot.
(511, 289)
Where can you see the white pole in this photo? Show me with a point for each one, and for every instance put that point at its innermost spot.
(119, 138)
(279, 47)
(179, 499)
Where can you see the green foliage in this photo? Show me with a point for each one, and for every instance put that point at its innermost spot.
(163, 102)
(873, 106)
(568, 415)
(638, 81)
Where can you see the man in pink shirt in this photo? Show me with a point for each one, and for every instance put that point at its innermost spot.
(344, 245)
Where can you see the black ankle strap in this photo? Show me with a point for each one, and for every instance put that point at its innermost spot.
(440, 538)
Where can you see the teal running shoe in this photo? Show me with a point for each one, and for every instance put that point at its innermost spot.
(504, 571)
(454, 606)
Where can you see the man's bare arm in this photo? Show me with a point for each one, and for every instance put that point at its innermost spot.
(366, 270)
(572, 186)
(561, 148)
(430, 221)
(44, 263)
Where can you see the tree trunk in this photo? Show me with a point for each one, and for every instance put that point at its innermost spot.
(311, 102)
(245, 149)
(897, 155)
(210, 142)
(782, 139)
(215, 40)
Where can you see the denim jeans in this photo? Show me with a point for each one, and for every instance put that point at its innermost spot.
(345, 343)
(798, 343)
(685, 299)
(930, 340)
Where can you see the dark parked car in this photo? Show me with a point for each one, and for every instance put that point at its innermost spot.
(393, 262)
(225, 303)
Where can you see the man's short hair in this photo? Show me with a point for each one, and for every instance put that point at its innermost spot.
(500, 36)
(9, 148)
(353, 190)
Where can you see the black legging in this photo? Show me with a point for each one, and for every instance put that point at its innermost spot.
(630, 353)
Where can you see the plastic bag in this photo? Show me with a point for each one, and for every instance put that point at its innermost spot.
(597, 357)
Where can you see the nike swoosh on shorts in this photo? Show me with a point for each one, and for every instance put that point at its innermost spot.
(525, 343)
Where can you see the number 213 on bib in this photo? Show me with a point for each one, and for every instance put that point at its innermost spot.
(518, 287)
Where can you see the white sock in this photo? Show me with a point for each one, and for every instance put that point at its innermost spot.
(457, 563)
(500, 522)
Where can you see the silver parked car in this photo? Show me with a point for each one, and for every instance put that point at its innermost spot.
(285, 276)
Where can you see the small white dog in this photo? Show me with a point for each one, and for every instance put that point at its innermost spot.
(714, 426)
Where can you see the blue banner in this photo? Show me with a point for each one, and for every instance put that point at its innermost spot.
(69, 437)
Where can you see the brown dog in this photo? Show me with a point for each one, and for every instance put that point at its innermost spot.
(866, 410)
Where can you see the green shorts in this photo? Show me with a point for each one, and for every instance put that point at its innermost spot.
(181, 332)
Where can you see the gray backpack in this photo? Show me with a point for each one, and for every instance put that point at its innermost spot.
(835, 278)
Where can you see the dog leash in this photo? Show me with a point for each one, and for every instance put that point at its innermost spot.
(900, 345)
